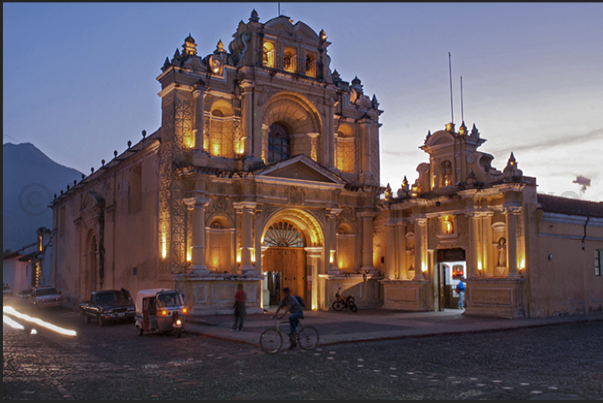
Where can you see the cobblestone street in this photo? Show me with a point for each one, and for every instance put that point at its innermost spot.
(112, 362)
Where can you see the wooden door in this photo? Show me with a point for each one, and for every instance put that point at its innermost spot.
(291, 264)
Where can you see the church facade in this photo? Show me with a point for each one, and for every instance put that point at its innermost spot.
(265, 171)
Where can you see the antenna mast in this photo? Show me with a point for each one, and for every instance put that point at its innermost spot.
(450, 73)
(462, 115)
(279, 9)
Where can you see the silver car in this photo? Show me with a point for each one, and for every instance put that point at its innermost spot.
(45, 297)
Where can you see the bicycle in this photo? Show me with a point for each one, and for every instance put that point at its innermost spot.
(271, 339)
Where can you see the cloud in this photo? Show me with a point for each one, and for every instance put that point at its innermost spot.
(583, 182)
(560, 141)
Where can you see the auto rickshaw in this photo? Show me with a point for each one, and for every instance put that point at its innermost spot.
(160, 310)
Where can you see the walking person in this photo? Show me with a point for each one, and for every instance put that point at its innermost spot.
(460, 289)
(292, 304)
(239, 309)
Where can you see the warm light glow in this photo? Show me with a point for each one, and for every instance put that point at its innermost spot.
(163, 246)
(522, 265)
(423, 267)
(12, 323)
(184, 310)
(11, 311)
(331, 257)
(239, 257)
(164, 312)
(178, 322)
(188, 254)
(449, 127)
(252, 255)
(479, 266)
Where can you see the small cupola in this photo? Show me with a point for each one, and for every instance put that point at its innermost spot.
(189, 47)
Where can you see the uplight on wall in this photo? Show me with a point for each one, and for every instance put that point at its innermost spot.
(188, 254)
(163, 247)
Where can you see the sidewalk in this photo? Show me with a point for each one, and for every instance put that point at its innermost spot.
(371, 325)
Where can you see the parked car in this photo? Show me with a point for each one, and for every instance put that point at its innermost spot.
(108, 306)
(22, 298)
(45, 297)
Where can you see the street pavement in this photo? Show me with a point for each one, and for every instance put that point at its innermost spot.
(371, 324)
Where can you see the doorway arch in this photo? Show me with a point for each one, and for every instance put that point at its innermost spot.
(285, 238)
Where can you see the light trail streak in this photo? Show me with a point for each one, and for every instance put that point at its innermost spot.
(11, 311)
(12, 323)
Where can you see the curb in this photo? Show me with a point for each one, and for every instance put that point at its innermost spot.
(414, 336)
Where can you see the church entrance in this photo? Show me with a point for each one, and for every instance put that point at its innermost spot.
(284, 261)
(450, 267)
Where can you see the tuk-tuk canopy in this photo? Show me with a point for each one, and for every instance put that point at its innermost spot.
(153, 292)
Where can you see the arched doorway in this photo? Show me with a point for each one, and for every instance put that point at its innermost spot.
(284, 260)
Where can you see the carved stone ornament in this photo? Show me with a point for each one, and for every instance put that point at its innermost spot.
(295, 196)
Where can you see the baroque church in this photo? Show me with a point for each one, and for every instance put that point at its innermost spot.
(266, 172)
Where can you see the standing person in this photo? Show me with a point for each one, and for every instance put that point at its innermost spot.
(460, 289)
(239, 308)
(294, 307)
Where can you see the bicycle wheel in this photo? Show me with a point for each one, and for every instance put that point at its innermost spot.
(353, 306)
(271, 341)
(307, 338)
(338, 306)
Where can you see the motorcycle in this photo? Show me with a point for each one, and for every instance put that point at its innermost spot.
(341, 303)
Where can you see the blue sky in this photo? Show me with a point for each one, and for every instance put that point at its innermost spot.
(80, 78)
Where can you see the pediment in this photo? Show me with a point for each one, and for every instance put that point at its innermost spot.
(300, 168)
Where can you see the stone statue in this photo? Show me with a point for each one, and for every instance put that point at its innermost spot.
(502, 252)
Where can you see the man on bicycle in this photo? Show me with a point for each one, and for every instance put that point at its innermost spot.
(294, 307)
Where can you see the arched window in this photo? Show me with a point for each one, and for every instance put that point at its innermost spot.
(311, 65)
(268, 54)
(279, 144)
(290, 60)
(446, 173)
(284, 234)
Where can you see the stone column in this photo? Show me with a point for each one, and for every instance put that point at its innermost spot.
(332, 219)
(197, 206)
(314, 151)
(199, 97)
(247, 118)
(472, 256)
(313, 260)
(331, 134)
(367, 242)
(246, 209)
(390, 259)
(420, 247)
(511, 213)
(401, 247)
(487, 262)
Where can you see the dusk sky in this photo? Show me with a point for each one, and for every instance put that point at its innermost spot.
(80, 78)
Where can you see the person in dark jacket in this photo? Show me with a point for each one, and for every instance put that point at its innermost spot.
(239, 308)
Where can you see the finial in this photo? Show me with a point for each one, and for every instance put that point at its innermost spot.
(428, 135)
(103, 162)
(129, 144)
(92, 169)
(67, 187)
(61, 192)
(177, 54)
(254, 16)
(55, 195)
(323, 35)
(114, 153)
(474, 131)
(75, 182)
(83, 176)
(463, 128)
(166, 64)
(144, 134)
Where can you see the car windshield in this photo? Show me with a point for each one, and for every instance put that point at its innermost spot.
(169, 299)
(106, 297)
(46, 291)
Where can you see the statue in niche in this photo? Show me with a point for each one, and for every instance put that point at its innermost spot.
(446, 173)
(502, 252)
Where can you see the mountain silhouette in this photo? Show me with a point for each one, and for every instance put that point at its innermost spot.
(30, 180)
